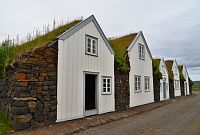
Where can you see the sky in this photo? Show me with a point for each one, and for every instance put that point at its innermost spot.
(171, 27)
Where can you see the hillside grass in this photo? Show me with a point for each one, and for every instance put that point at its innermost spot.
(120, 46)
(5, 124)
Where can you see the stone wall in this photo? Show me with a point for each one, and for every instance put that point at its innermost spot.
(122, 89)
(156, 85)
(29, 93)
(171, 89)
(182, 88)
(190, 88)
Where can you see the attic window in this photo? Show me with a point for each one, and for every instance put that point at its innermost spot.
(91, 45)
(141, 52)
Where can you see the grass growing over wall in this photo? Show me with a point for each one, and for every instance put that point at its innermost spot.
(5, 124)
(120, 46)
(156, 70)
(7, 56)
(169, 68)
(182, 78)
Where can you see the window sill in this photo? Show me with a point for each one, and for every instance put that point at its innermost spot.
(147, 91)
(91, 54)
(142, 59)
(106, 93)
(137, 91)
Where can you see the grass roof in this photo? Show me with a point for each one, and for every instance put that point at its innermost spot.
(169, 64)
(180, 68)
(120, 46)
(156, 69)
(42, 40)
(10, 54)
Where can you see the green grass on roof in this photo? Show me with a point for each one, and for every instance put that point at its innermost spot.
(9, 54)
(182, 78)
(39, 41)
(156, 69)
(169, 64)
(120, 46)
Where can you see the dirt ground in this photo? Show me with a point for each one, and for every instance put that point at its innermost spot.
(181, 117)
(175, 116)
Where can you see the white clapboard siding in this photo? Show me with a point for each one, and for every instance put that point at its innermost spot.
(141, 68)
(72, 63)
(164, 75)
(177, 92)
(186, 76)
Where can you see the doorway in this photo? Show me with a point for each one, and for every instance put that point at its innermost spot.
(90, 94)
(164, 90)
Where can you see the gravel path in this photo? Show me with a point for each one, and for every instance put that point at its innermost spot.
(181, 117)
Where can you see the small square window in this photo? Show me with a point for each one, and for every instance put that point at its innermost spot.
(106, 85)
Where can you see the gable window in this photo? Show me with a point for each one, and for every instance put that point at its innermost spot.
(146, 83)
(141, 52)
(106, 82)
(137, 82)
(91, 45)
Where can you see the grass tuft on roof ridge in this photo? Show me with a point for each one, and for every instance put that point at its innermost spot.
(120, 46)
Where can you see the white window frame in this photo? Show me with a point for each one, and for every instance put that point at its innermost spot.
(147, 83)
(93, 45)
(137, 83)
(107, 86)
(176, 84)
(141, 52)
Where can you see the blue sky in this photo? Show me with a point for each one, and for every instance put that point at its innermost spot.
(171, 28)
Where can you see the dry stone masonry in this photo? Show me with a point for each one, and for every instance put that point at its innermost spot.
(29, 92)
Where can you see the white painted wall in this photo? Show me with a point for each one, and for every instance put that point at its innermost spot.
(177, 92)
(163, 70)
(186, 76)
(72, 62)
(142, 68)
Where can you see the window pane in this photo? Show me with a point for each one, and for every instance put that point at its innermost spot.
(89, 40)
(108, 89)
(93, 42)
(88, 50)
(108, 80)
(104, 81)
(108, 85)
(104, 89)
(93, 51)
(104, 85)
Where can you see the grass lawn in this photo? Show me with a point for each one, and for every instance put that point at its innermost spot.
(196, 91)
(5, 125)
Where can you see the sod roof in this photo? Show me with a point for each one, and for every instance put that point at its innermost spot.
(156, 69)
(180, 68)
(45, 39)
(169, 64)
(120, 46)
(156, 62)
